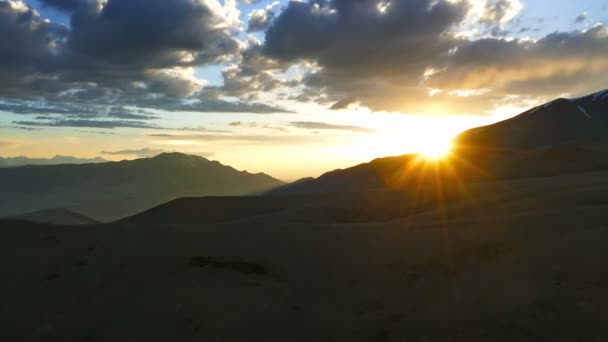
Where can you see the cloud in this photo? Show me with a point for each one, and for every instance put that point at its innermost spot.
(248, 82)
(258, 125)
(361, 51)
(245, 138)
(130, 114)
(322, 125)
(98, 132)
(139, 53)
(344, 103)
(556, 64)
(412, 56)
(580, 18)
(87, 123)
(145, 152)
(27, 46)
(260, 19)
(148, 152)
(53, 121)
(143, 34)
(498, 12)
(117, 60)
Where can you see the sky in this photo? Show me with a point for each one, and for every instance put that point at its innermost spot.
(289, 88)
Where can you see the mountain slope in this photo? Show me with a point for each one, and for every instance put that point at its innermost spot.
(582, 120)
(114, 190)
(560, 137)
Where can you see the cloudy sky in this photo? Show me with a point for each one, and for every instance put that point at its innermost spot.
(291, 88)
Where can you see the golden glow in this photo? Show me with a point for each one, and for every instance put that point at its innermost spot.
(435, 147)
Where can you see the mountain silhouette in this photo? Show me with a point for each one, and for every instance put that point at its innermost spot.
(113, 190)
(583, 120)
(560, 137)
(56, 160)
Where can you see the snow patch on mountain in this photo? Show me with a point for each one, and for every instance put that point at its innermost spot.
(584, 112)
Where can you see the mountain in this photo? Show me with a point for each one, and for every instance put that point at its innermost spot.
(113, 190)
(578, 121)
(560, 137)
(56, 160)
(55, 216)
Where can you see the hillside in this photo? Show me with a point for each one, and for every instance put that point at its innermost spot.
(113, 190)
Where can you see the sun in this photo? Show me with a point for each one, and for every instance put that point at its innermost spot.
(435, 149)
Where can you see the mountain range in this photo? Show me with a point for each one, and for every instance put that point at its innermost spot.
(56, 160)
(113, 190)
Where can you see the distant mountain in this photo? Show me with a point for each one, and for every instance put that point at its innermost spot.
(56, 160)
(55, 216)
(113, 190)
(562, 136)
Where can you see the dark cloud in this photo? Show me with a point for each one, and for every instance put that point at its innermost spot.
(27, 48)
(37, 107)
(97, 132)
(73, 110)
(138, 53)
(362, 52)
(580, 18)
(146, 34)
(87, 123)
(108, 123)
(326, 126)
(344, 103)
(130, 114)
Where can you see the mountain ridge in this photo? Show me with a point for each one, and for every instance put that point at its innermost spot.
(569, 135)
(55, 160)
(113, 190)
